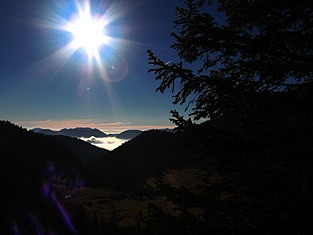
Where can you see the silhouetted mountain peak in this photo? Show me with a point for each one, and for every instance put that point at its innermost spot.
(82, 132)
(129, 134)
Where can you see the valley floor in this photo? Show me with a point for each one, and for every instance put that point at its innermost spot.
(124, 209)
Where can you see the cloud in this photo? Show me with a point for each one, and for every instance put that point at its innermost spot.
(112, 123)
(94, 140)
(55, 124)
(108, 143)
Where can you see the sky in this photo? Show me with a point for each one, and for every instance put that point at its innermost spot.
(46, 83)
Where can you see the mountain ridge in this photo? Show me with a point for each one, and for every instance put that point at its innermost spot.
(72, 132)
(127, 135)
(87, 132)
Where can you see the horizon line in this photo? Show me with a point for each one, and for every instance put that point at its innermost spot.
(86, 123)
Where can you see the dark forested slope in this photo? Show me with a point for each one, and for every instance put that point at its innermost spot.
(28, 161)
(85, 151)
(149, 154)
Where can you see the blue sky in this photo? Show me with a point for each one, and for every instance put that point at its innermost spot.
(42, 88)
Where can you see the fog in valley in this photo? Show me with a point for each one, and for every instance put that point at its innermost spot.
(108, 143)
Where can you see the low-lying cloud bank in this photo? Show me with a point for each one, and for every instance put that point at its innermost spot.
(108, 143)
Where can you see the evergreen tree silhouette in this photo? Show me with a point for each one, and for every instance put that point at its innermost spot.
(250, 93)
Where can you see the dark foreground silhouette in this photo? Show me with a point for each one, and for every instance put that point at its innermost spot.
(46, 189)
(38, 172)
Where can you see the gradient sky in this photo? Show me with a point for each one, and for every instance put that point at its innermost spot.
(41, 87)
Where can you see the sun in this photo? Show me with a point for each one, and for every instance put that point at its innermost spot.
(88, 32)
(95, 30)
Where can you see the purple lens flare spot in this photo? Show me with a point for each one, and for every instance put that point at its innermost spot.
(64, 214)
(38, 227)
(50, 168)
(46, 189)
(15, 229)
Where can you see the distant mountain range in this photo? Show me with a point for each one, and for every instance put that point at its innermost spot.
(86, 132)
(75, 132)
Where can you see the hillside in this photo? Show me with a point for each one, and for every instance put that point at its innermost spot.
(85, 151)
(147, 155)
(28, 161)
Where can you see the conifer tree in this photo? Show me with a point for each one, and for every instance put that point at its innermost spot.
(248, 77)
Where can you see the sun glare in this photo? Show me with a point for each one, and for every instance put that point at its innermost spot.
(88, 32)
(95, 30)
